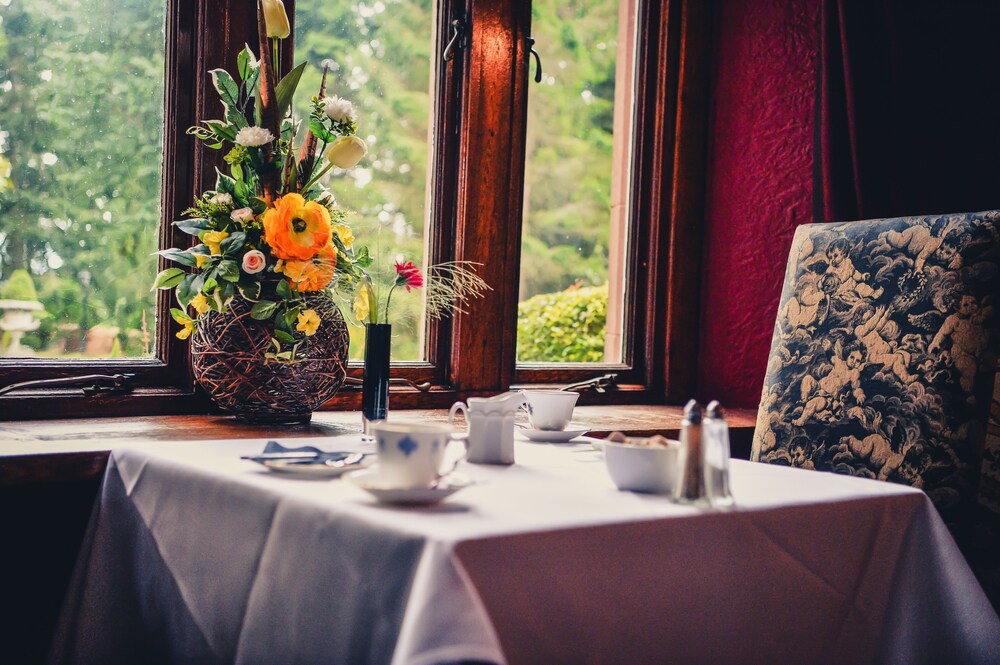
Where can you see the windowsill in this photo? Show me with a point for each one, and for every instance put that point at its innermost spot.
(60, 450)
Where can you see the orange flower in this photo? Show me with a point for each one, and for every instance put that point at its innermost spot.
(312, 275)
(296, 228)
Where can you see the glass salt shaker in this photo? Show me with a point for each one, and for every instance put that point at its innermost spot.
(716, 435)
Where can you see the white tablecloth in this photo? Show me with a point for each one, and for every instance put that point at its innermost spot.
(194, 556)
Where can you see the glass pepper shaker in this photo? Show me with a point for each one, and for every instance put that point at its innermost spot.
(691, 460)
(716, 435)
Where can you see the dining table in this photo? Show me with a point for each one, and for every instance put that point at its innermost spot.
(194, 555)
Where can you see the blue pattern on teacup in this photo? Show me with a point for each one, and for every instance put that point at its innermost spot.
(407, 445)
(381, 444)
(436, 444)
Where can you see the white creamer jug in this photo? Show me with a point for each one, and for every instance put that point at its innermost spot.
(491, 426)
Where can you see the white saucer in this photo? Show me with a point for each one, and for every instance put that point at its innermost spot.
(572, 431)
(371, 481)
(313, 469)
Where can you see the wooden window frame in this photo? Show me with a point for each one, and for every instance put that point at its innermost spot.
(478, 171)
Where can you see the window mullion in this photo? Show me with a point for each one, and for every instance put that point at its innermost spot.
(489, 195)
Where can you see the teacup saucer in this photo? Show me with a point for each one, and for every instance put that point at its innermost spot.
(572, 431)
(370, 480)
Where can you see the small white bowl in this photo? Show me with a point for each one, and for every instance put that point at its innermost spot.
(638, 468)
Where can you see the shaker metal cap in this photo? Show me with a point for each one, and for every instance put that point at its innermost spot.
(692, 412)
(714, 410)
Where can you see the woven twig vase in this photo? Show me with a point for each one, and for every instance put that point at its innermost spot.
(227, 354)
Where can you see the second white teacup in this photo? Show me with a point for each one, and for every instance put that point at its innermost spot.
(412, 455)
(550, 410)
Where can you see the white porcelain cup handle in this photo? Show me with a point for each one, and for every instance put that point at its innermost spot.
(455, 408)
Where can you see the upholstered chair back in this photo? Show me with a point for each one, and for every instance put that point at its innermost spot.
(884, 352)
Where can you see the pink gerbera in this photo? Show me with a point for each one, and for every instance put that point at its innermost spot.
(408, 275)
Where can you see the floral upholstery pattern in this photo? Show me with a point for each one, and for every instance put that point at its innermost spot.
(884, 353)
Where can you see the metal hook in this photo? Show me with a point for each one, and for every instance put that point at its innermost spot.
(457, 26)
(538, 60)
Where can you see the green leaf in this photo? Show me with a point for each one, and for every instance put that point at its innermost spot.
(197, 284)
(258, 205)
(237, 172)
(221, 129)
(180, 316)
(233, 243)
(249, 290)
(228, 91)
(229, 271)
(363, 258)
(284, 290)
(224, 184)
(210, 284)
(202, 249)
(184, 292)
(291, 315)
(263, 309)
(320, 131)
(281, 324)
(168, 278)
(286, 88)
(178, 256)
(235, 118)
(242, 191)
(192, 226)
(243, 60)
(282, 336)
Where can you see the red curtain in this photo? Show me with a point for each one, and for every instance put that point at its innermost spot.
(907, 108)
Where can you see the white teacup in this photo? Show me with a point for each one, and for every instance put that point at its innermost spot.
(411, 455)
(550, 410)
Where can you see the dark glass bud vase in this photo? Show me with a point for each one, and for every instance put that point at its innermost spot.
(375, 389)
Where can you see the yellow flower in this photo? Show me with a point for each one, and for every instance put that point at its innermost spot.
(276, 19)
(186, 331)
(308, 322)
(361, 305)
(213, 239)
(345, 234)
(199, 259)
(200, 304)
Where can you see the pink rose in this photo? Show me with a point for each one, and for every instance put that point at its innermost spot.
(253, 261)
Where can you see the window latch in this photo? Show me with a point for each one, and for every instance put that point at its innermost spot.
(92, 384)
(457, 40)
(398, 381)
(538, 60)
(599, 384)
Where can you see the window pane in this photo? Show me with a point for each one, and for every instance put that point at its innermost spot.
(576, 175)
(81, 118)
(379, 55)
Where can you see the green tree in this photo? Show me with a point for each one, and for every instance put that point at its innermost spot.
(81, 116)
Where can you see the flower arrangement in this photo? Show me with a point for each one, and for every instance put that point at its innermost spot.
(270, 232)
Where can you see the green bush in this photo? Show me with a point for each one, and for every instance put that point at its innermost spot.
(19, 287)
(566, 326)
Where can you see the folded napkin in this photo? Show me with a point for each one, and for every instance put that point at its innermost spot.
(322, 456)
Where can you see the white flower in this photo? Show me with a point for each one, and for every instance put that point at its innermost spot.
(252, 137)
(339, 109)
(253, 262)
(346, 151)
(222, 200)
(242, 215)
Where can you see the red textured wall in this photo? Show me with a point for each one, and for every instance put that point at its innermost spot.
(759, 184)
